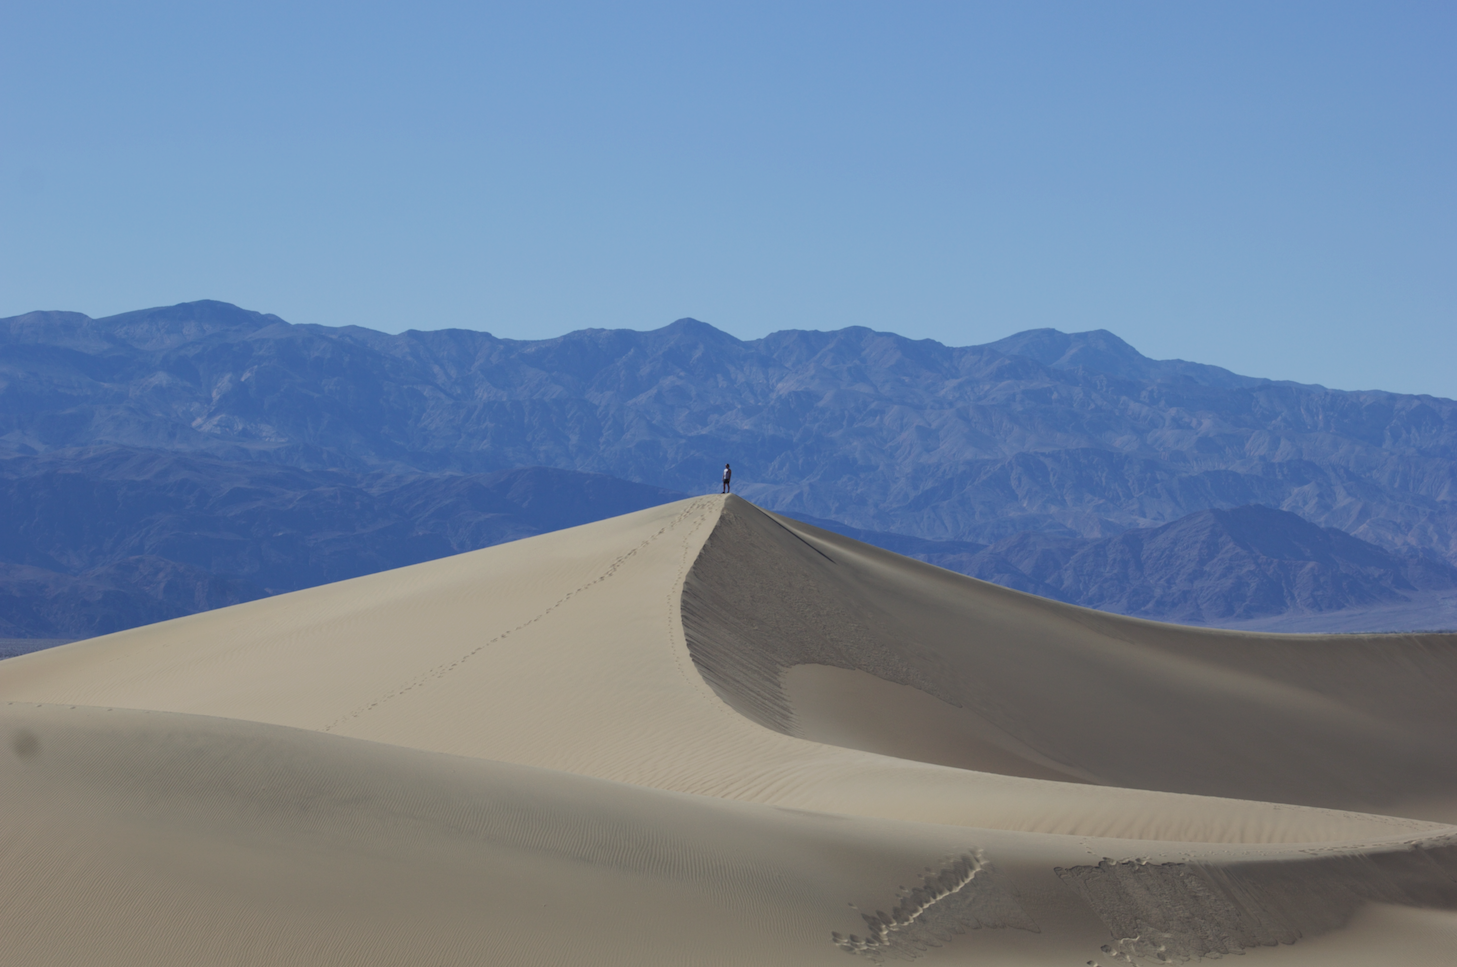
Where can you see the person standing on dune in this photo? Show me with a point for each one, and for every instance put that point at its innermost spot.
(727, 476)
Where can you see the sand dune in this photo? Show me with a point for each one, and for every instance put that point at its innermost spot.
(703, 734)
(1350, 722)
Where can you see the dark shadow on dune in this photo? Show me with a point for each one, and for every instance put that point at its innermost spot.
(1049, 690)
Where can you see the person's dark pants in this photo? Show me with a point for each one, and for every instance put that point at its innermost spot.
(725, 486)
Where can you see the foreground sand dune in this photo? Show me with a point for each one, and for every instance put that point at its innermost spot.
(705, 734)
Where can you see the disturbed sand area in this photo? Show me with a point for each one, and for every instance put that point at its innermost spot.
(703, 734)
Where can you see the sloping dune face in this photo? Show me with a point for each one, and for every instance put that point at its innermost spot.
(813, 634)
(701, 734)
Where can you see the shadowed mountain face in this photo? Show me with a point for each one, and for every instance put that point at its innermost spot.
(1073, 435)
(1217, 564)
(98, 540)
(1211, 567)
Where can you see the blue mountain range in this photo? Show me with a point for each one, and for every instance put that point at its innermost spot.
(178, 458)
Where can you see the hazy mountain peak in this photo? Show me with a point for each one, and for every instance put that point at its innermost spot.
(167, 327)
(1100, 351)
(72, 330)
(1062, 350)
(696, 330)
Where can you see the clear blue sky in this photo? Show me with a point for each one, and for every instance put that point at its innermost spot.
(1268, 186)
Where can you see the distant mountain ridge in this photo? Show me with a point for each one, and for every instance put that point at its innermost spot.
(170, 460)
(1213, 567)
(98, 540)
(1099, 351)
(1070, 434)
(107, 538)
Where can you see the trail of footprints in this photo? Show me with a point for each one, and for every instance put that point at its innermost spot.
(441, 671)
(961, 896)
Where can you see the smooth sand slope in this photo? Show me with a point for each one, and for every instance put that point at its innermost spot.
(702, 734)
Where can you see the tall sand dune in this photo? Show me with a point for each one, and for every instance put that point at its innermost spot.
(704, 734)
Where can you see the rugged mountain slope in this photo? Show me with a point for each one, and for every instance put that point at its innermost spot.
(40, 608)
(1217, 564)
(1210, 567)
(1076, 435)
(97, 540)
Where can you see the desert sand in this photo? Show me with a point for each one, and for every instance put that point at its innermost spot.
(705, 734)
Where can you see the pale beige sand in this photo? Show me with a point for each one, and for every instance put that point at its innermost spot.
(535, 713)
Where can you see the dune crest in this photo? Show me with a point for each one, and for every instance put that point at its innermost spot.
(705, 734)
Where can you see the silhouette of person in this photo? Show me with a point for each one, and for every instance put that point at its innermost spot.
(727, 476)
